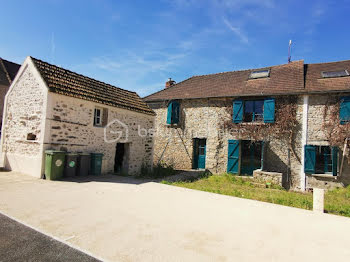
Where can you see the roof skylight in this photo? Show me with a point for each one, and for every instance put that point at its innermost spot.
(330, 74)
(259, 74)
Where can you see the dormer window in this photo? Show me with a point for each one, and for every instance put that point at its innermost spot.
(259, 74)
(331, 74)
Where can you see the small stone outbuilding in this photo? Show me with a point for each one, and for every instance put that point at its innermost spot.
(8, 71)
(48, 107)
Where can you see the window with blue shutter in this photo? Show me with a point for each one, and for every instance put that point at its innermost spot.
(254, 111)
(310, 159)
(173, 116)
(269, 110)
(321, 160)
(344, 112)
(237, 111)
(170, 110)
(233, 157)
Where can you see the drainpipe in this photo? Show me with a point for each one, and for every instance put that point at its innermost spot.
(304, 141)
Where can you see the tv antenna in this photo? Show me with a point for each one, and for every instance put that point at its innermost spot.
(290, 51)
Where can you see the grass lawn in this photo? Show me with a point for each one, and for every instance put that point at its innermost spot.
(336, 201)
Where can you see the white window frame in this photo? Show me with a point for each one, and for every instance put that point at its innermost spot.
(96, 117)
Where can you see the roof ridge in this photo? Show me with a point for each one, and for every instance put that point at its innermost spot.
(5, 69)
(66, 82)
(333, 62)
(170, 87)
(234, 71)
(9, 61)
(243, 70)
(82, 75)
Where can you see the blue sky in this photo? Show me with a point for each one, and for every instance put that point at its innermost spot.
(137, 45)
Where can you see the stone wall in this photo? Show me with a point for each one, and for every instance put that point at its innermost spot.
(264, 176)
(24, 116)
(25, 113)
(70, 125)
(203, 118)
(316, 136)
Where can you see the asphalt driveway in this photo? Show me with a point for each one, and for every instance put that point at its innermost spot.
(21, 243)
(121, 219)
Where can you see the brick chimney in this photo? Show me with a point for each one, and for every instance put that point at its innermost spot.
(169, 83)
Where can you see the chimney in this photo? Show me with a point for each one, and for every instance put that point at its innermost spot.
(169, 83)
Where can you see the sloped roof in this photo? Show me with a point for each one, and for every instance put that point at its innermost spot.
(65, 82)
(293, 78)
(287, 78)
(8, 71)
(314, 82)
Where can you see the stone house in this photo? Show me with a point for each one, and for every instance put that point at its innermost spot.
(277, 123)
(8, 71)
(48, 107)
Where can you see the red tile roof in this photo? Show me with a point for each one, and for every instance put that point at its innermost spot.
(314, 82)
(293, 78)
(65, 82)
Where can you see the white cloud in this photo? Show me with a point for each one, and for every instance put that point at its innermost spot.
(237, 31)
(105, 63)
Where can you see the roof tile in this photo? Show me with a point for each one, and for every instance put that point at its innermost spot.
(65, 82)
(283, 78)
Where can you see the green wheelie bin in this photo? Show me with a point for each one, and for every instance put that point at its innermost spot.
(96, 163)
(54, 164)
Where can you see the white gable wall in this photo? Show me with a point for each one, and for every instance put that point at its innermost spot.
(24, 113)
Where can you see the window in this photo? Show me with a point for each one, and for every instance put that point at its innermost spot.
(98, 117)
(331, 74)
(344, 112)
(321, 160)
(259, 74)
(254, 111)
(323, 163)
(173, 116)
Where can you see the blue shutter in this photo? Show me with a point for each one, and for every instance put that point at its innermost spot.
(310, 159)
(233, 156)
(175, 112)
(269, 110)
(335, 161)
(170, 112)
(237, 111)
(344, 112)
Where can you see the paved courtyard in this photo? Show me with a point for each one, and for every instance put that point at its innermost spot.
(122, 219)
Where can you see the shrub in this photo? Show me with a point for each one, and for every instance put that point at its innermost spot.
(158, 171)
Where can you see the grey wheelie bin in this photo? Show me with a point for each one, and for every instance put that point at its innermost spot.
(84, 164)
(70, 168)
